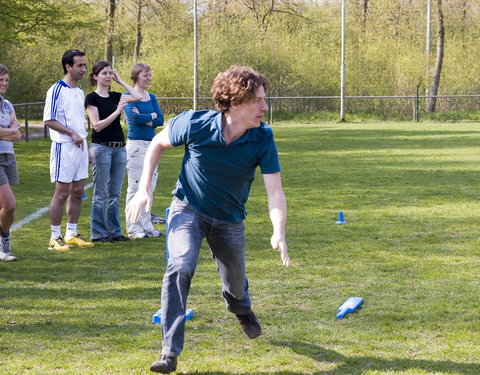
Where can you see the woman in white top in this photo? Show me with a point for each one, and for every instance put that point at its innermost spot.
(9, 132)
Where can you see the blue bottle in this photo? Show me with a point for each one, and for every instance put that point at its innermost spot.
(349, 306)
(157, 317)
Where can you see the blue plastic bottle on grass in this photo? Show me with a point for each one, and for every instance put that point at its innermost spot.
(157, 317)
(349, 306)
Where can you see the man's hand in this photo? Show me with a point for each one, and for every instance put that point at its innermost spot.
(140, 199)
(278, 243)
(77, 139)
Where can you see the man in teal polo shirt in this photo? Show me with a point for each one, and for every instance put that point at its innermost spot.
(222, 151)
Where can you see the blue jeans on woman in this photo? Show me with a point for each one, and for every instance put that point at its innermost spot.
(108, 171)
(186, 230)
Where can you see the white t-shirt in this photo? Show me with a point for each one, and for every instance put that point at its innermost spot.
(6, 109)
(65, 104)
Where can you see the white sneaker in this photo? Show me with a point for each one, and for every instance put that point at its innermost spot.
(153, 233)
(6, 246)
(137, 235)
(6, 251)
(155, 219)
(6, 257)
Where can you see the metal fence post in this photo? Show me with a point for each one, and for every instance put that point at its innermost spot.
(26, 122)
(414, 109)
(270, 111)
(417, 106)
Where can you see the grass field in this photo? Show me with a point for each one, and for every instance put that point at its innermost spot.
(411, 249)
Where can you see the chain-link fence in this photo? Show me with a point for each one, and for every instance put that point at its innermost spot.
(327, 108)
(406, 108)
(320, 108)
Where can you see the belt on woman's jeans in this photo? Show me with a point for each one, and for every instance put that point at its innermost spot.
(112, 144)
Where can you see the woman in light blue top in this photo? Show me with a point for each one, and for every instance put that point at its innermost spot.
(9, 132)
(142, 118)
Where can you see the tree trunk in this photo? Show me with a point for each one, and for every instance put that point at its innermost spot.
(464, 20)
(138, 39)
(364, 15)
(110, 31)
(432, 102)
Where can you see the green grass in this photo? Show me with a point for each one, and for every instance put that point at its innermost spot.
(410, 196)
(370, 116)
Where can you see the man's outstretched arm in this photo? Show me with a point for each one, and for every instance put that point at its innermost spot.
(277, 206)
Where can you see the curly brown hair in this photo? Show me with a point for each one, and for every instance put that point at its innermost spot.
(235, 86)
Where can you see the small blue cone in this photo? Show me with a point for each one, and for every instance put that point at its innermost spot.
(157, 317)
(84, 197)
(340, 218)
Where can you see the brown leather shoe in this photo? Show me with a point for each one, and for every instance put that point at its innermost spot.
(250, 324)
(164, 365)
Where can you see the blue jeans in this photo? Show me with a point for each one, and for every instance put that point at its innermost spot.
(108, 171)
(186, 230)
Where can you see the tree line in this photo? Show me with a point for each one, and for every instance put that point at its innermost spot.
(296, 44)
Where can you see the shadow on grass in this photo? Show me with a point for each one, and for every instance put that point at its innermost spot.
(358, 365)
(243, 373)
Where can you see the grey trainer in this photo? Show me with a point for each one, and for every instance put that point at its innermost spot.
(164, 365)
(6, 251)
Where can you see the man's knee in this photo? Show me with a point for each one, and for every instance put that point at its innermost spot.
(236, 285)
(236, 291)
(101, 195)
(230, 294)
(8, 207)
(180, 270)
(76, 190)
(61, 194)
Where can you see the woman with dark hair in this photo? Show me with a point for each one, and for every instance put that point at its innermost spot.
(108, 151)
(142, 118)
(9, 132)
